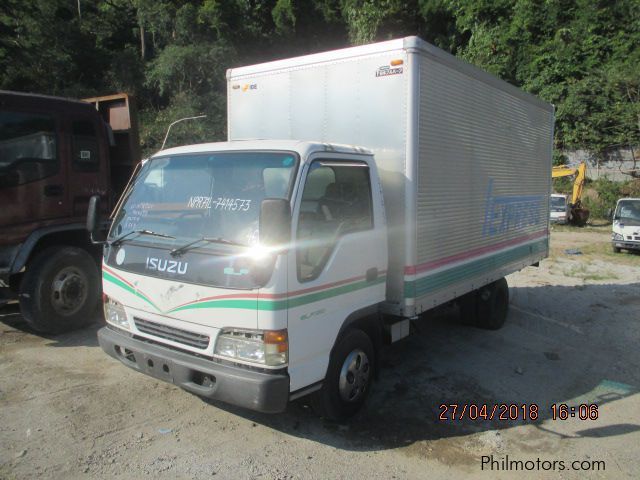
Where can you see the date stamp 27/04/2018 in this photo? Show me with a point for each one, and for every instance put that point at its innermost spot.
(516, 411)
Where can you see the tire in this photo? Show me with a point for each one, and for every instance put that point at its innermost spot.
(616, 249)
(60, 290)
(492, 305)
(349, 377)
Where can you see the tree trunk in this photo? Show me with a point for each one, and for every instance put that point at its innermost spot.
(143, 45)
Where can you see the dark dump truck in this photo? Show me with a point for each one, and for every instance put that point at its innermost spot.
(56, 153)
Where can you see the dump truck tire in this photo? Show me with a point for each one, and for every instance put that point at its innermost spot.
(60, 290)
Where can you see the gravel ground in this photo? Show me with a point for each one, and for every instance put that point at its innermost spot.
(69, 411)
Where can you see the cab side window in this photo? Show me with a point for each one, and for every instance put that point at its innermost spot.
(85, 147)
(336, 201)
(28, 148)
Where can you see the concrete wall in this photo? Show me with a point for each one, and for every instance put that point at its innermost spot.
(616, 160)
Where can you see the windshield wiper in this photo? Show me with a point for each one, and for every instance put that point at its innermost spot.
(120, 239)
(180, 250)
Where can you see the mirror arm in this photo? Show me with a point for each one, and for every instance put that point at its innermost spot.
(94, 222)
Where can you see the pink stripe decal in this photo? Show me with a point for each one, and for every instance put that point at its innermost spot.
(415, 269)
(274, 296)
(111, 272)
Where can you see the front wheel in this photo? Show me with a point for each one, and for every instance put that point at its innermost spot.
(60, 290)
(349, 377)
(616, 249)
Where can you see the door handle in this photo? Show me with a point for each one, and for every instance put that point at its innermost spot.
(53, 190)
(372, 274)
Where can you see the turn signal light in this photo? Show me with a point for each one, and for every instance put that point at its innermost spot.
(278, 338)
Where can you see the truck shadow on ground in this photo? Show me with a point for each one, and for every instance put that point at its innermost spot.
(573, 345)
(87, 336)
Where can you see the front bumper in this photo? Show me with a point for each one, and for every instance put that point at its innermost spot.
(263, 392)
(626, 245)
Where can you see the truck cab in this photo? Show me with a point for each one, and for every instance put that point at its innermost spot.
(559, 208)
(190, 267)
(626, 225)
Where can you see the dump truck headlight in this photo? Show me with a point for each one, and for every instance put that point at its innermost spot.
(114, 312)
(617, 236)
(262, 347)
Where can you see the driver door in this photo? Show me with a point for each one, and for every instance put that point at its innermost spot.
(339, 262)
(32, 168)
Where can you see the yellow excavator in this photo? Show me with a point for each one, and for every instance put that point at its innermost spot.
(575, 213)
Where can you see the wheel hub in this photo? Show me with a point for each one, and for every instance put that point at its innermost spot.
(69, 291)
(354, 376)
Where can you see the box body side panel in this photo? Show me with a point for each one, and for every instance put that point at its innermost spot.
(483, 184)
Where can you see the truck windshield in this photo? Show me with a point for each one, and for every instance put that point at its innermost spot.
(212, 195)
(628, 212)
(558, 204)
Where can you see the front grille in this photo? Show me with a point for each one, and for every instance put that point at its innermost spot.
(185, 337)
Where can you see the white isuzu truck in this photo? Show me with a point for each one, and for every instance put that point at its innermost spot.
(394, 178)
(626, 225)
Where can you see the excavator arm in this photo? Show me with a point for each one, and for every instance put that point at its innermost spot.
(578, 213)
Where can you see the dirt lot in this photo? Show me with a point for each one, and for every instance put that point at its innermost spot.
(69, 411)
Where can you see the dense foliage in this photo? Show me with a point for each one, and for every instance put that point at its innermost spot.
(581, 55)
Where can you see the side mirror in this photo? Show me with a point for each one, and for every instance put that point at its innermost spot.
(94, 221)
(275, 222)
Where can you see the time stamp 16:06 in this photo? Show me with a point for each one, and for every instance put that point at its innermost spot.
(515, 411)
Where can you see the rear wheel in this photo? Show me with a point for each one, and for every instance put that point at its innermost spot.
(60, 290)
(492, 305)
(349, 377)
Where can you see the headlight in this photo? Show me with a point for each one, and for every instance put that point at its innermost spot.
(263, 347)
(617, 236)
(114, 313)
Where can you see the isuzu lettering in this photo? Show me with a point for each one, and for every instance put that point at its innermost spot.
(394, 178)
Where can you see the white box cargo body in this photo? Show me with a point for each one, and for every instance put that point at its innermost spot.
(464, 157)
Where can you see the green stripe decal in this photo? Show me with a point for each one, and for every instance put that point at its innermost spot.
(253, 304)
(283, 304)
(116, 281)
(436, 281)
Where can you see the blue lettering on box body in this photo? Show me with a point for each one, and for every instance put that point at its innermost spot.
(505, 213)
